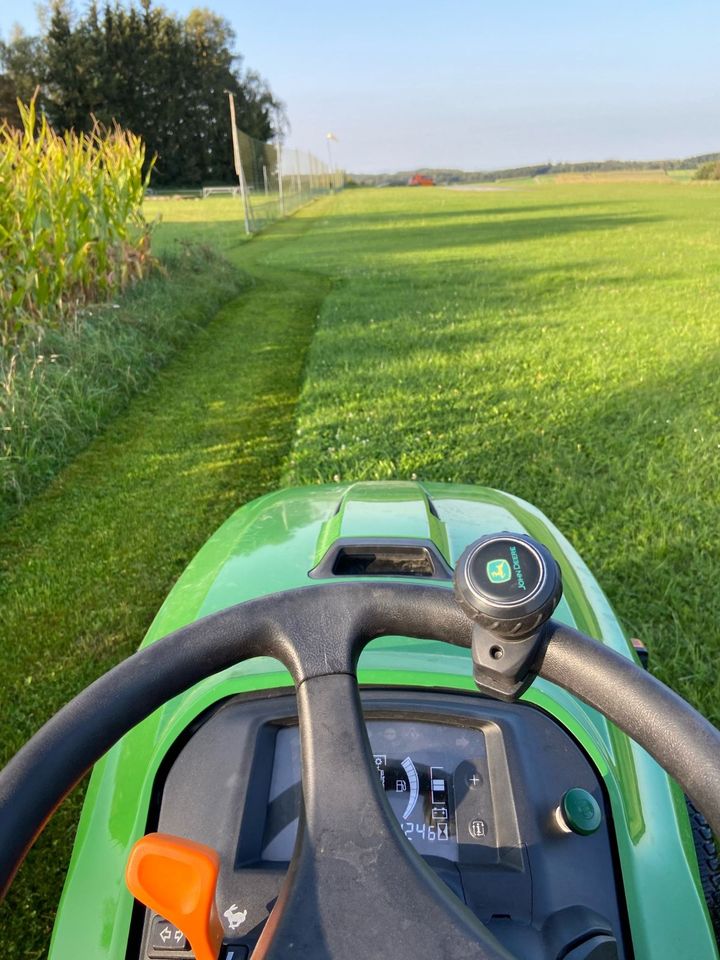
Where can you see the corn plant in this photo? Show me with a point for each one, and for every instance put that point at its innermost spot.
(71, 223)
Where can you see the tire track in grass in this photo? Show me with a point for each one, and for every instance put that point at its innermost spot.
(85, 566)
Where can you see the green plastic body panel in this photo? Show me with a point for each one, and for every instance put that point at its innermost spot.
(270, 545)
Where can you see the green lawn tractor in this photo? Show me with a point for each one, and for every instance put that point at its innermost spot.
(380, 720)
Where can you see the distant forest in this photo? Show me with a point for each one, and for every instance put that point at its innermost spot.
(537, 170)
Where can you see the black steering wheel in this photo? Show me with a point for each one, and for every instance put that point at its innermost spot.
(355, 888)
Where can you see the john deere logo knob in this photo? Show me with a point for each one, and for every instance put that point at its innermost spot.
(509, 583)
(498, 571)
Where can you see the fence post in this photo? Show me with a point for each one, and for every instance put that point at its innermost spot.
(331, 178)
(238, 161)
(247, 206)
(281, 195)
(298, 182)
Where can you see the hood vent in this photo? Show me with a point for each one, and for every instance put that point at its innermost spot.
(378, 557)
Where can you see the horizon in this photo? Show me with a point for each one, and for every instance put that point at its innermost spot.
(482, 90)
(536, 163)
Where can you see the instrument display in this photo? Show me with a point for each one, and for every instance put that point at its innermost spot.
(434, 777)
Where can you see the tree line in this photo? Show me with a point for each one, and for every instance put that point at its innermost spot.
(710, 160)
(161, 76)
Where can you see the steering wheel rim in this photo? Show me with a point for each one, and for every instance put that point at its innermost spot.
(318, 632)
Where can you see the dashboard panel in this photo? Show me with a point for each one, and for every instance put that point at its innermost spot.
(474, 784)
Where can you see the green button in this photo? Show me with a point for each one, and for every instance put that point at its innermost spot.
(581, 811)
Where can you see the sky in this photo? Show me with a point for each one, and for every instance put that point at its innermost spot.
(480, 86)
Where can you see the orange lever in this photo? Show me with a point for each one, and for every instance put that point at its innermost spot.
(177, 879)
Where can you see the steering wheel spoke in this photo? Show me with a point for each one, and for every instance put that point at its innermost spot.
(356, 888)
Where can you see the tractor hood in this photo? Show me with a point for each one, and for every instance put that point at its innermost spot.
(295, 537)
(291, 538)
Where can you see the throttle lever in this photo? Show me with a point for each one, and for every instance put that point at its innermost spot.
(177, 878)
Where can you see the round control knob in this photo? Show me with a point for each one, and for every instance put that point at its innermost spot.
(509, 583)
(579, 812)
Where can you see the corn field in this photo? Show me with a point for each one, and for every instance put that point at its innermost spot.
(71, 224)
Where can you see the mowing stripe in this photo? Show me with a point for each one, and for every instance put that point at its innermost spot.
(85, 566)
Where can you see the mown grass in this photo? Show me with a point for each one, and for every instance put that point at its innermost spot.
(561, 343)
(84, 567)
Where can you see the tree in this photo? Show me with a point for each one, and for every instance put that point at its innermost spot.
(67, 72)
(20, 73)
(708, 171)
(164, 77)
(8, 101)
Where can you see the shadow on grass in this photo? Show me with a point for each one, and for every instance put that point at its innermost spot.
(478, 233)
(413, 323)
(391, 216)
(628, 473)
(479, 369)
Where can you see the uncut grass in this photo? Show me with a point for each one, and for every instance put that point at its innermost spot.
(560, 343)
(57, 393)
(85, 566)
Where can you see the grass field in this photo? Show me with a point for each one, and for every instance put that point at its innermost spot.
(604, 176)
(558, 341)
(562, 343)
(682, 175)
(616, 176)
